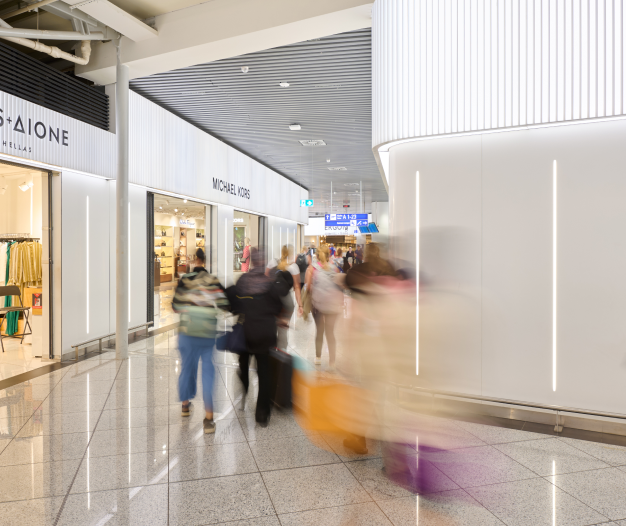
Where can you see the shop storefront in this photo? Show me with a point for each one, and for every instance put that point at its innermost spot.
(24, 257)
(77, 177)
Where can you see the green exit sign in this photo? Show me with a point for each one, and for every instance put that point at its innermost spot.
(306, 202)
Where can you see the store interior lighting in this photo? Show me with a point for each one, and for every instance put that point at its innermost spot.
(25, 186)
(284, 84)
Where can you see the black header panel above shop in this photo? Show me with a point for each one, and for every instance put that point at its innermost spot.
(36, 82)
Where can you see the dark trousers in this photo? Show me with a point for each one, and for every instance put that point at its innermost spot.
(263, 372)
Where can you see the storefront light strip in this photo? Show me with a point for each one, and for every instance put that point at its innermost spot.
(225, 251)
(87, 261)
(417, 273)
(129, 267)
(554, 261)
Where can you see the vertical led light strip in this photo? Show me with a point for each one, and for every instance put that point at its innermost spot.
(225, 250)
(417, 273)
(554, 239)
(129, 267)
(554, 493)
(87, 261)
(88, 405)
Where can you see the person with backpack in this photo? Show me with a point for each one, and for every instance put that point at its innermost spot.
(259, 300)
(338, 260)
(327, 299)
(303, 263)
(198, 298)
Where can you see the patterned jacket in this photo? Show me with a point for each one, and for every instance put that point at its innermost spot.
(198, 298)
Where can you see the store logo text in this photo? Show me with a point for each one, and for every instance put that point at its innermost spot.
(27, 127)
(229, 188)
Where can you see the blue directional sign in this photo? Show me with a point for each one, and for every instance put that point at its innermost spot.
(306, 202)
(345, 217)
(346, 220)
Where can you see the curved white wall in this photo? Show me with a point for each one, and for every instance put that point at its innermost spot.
(454, 66)
(486, 216)
(481, 98)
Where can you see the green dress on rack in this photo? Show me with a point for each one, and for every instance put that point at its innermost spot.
(11, 327)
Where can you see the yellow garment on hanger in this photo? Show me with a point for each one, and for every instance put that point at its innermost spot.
(25, 266)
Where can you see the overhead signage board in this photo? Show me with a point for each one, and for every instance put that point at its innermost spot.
(306, 202)
(346, 220)
(344, 223)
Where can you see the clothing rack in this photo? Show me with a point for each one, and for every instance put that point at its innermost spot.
(17, 239)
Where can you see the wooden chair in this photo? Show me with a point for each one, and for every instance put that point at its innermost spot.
(13, 290)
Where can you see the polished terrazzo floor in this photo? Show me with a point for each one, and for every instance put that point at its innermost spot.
(102, 442)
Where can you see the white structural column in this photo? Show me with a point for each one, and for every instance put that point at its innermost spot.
(122, 220)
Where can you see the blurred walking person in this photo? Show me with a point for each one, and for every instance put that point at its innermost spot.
(286, 268)
(198, 298)
(327, 299)
(303, 260)
(245, 257)
(259, 299)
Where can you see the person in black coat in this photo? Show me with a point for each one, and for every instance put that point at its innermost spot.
(258, 299)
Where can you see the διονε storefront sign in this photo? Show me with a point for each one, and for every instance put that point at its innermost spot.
(31, 132)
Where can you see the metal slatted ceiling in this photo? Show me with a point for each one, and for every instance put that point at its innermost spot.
(329, 96)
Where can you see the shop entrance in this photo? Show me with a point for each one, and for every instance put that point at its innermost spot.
(180, 228)
(246, 234)
(25, 218)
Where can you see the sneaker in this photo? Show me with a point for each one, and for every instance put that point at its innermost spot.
(209, 426)
(317, 361)
(186, 409)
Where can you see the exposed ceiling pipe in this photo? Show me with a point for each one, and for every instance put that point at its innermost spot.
(50, 35)
(53, 51)
(28, 8)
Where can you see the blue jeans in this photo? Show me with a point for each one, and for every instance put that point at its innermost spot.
(192, 348)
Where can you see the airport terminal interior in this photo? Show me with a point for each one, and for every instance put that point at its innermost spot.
(277, 263)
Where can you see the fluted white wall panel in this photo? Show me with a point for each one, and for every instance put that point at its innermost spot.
(450, 66)
(32, 132)
(167, 153)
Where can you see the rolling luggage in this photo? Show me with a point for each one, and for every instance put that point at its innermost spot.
(281, 370)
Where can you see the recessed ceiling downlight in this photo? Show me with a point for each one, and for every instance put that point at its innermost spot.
(313, 142)
(337, 168)
(295, 127)
(283, 84)
(351, 184)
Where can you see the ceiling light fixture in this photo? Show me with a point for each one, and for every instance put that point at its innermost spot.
(160, 208)
(284, 84)
(184, 200)
(25, 186)
(337, 168)
(312, 142)
(295, 127)
(327, 160)
(245, 69)
(175, 209)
